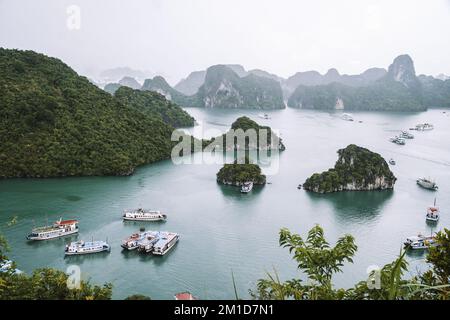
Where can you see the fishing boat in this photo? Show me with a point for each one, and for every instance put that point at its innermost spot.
(433, 213)
(184, 296)
(60, 228)
(247, 187)
(420, 242)
(141, 214)
(406, 135)
(81, 247)
(392, 162)
(7, 266)
(427, 184)
(398, 140)
(347, 117)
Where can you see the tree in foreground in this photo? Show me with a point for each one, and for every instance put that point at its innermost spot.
(318, 261)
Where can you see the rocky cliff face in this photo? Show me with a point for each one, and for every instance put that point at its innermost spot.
(192, 83)
(402, 70)
(357, 169)
(223, 88)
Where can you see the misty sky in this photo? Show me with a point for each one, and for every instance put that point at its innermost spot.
(175, 37)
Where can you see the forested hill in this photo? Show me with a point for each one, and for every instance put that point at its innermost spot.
(156, 105)
(54, 122)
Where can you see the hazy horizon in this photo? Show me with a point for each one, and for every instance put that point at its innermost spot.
(174, 37)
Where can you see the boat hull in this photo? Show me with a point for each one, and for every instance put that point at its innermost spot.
(144, 219)
(86, 252)
(64, 234)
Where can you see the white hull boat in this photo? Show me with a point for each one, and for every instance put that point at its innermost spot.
(59, 229)
(420, 242)
(81, 247)
(433, 213)
(247, 187)
(143, 215)
(427, 184)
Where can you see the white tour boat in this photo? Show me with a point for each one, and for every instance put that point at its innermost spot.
(166, 241)
(247, 187)
(141, 214)
(423, 127)
(433, 213)
(60, 228)
(427, 184)
(420, 242)
(81, 247)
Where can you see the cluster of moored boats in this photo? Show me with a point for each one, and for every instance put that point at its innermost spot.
(424, 242)
(404, 135)
(401, 138)
(155, 242)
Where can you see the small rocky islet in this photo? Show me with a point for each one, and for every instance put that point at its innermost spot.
(357, 169)
(238, 173)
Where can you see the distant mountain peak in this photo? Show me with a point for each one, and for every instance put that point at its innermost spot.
(402, 70)
(332, 73)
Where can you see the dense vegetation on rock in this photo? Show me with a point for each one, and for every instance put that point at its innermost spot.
(237, 173)
(398, 90)
(224, 88)
(49, 284)
(155, 105)
(357, 168)
(56, 123)
(436, 92)
(246, 124)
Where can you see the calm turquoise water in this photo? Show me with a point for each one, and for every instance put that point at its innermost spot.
(223, 230)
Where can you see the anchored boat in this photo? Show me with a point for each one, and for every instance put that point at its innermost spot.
(247, 187)
(423, 127)
(132, 242)
(167, 241)
(81, 247)
(7, 266)
(60, 228)
(398, 140)
(420, 242)
(433, 213)
(427, 184)
(141, 214)
(392, 162)
(406, 135)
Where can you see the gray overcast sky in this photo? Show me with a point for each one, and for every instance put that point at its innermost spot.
(175, 37)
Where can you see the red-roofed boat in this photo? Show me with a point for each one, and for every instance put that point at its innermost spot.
(185, 296)
(59, 229)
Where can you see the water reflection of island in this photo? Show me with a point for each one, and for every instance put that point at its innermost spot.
(354, 205)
